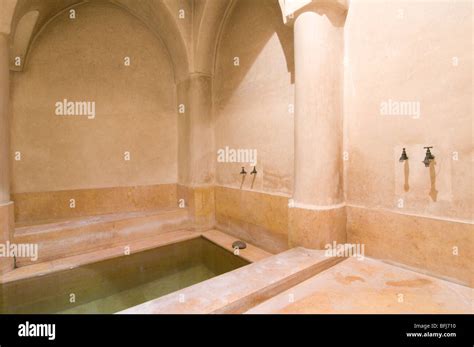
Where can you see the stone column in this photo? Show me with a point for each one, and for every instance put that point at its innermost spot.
(317, 213)
(197, 159)
(6, 206)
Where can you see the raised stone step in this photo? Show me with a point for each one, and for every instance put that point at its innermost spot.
(75, 236)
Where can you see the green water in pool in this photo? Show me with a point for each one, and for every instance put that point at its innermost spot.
(116, 284)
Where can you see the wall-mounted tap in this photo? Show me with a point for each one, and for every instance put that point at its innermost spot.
(254, 171)
(404, 156)
(243, 172)
(428, 157)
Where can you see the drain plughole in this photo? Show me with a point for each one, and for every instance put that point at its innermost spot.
(239, 245)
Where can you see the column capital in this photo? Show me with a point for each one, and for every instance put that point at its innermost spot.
(291, 9)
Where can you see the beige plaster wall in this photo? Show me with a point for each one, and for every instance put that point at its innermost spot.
(83, 60)
(251, 100)
(405, 52)
(4, 121)
(259, 218)
(420, 52)
(43, 207)
(6, 231)
(196, 158)
(251, 111)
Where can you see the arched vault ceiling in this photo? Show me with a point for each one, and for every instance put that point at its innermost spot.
(209, 18)
(191, 41)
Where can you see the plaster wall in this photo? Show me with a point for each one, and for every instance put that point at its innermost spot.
(82, 59)
(252, 110)
(251, 100)
(417, 52)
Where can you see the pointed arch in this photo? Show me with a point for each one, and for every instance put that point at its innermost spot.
(155, 14)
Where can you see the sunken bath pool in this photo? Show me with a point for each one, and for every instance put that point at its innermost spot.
(116, 284)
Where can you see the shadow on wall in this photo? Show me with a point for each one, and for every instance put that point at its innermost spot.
(336, 17)
(433, 191)
(251, 25)
(432, 172)
(406, 172)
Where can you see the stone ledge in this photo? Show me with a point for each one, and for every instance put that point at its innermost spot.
(367, 287)
(239, 290)
(63, 239)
